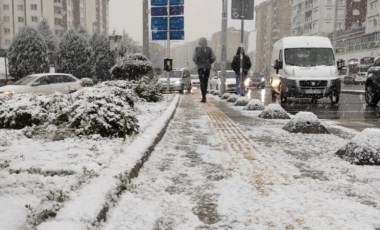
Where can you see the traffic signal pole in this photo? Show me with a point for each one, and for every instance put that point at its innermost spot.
(224, 49)
(241, 44)
(168, 46)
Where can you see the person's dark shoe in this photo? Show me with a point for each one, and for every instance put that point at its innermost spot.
(203, 100)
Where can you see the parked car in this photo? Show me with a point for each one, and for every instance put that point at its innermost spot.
(348, 79)
(195, 83)
(372, 84)
(215, 81)
(256, 80)
(45, 83)
(179, 81)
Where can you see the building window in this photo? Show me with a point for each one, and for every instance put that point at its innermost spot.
(6, 7)
(7, 42)
(21, 19)
(355, 12)
(34, 18)
(33, 6)
(20, 7)
(6, 18)
(7, 30)
(58, 1)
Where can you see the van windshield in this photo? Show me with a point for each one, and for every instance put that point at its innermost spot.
(309, 56)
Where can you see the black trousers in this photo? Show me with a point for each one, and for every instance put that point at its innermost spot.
(203, 74)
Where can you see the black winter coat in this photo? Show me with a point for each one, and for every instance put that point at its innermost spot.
(235, 65)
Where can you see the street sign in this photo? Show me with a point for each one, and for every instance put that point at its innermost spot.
(165, 2)
(177, 23)
(159, 23)
(242, 9)
(162, 35)
(162, 10)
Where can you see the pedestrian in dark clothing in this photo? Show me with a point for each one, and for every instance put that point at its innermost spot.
(235, 65)
(203, 57)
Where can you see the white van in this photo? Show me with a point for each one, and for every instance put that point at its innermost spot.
(305, 67)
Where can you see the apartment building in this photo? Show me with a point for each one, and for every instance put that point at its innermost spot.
(356, 14)
(60, 14)
(273, 22)
(316, 17)
(373, 16)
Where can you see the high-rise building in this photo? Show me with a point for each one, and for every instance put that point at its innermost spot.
(316, 17)
(356, 14)
(373, 16)
(60, 14)
(273, 22)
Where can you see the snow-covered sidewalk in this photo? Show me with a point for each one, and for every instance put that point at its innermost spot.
(212, 171)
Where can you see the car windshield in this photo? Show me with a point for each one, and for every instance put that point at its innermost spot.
(26, 80)
(194, 77)
(309, 56)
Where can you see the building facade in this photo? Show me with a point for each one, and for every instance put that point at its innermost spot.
(60, 14)
(356, 14)
(273, 22)
(316, 17)
(373, 16)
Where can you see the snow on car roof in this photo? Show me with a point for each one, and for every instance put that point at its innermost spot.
(44, 74)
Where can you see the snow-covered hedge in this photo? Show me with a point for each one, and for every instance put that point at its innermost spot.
(216, 92)
(241, 101)
(226, 96)
(363, 149)
(274, 111)
(131, 67)
(149, 92)
(105, 109)
(254, 104)
(305, 122)
(232, 98)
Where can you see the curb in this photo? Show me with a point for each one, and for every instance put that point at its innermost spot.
(82, 212)
(353, 92)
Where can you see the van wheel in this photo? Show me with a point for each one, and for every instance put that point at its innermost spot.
(274, 96)
(372, 96)
(314, 100)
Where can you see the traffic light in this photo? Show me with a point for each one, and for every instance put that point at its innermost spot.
(168, 64)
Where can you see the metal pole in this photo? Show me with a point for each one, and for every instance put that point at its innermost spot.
(6, 69)
(224, 48)
(335, 24)
(168, 46)
(146, 29)
(241, 43)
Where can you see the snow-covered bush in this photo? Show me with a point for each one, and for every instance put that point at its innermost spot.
(226, 96)
(131, 67)
(274, 111)
(216, 92)
(129, 94)
(149, 92)
(22, 110)
(232, 98)
(104, 111)
(74, 55)
(3, 98)
(241, 101)
(27, 53)
(254, 104)
(305, 122)
(363, 149)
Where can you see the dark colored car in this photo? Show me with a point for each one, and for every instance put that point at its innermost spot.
(372, 84)
(349, 79)
(256, 80)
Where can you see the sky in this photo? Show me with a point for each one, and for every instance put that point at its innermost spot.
(202, 18)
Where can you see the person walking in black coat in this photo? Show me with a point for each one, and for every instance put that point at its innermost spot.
(203, 57)
(235, 65)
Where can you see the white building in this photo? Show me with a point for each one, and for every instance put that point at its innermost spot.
(373, 16)
(316, 17)
(60, 14)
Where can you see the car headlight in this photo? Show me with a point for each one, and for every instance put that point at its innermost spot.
(263, 79)
(247, 82)
(8, 93)
(177, 82)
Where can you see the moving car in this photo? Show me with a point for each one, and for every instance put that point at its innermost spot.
(372, 84)
(215, 81)
(179, 81)
(44, 83)
(195, 83)
(305, 67)
(256, 80)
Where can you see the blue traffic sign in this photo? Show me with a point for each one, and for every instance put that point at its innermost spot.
(165, 2)
(162, 10)
(162, 35)
(177, 23)
(159, 23)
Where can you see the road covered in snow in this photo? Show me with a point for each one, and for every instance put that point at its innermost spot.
(216, 167)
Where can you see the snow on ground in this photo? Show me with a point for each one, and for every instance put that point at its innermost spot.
(40, 172)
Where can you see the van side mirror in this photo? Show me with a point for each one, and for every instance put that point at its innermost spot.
(340, 64)
(277, 65)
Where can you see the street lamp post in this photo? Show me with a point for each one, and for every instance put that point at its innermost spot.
(224, 48)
